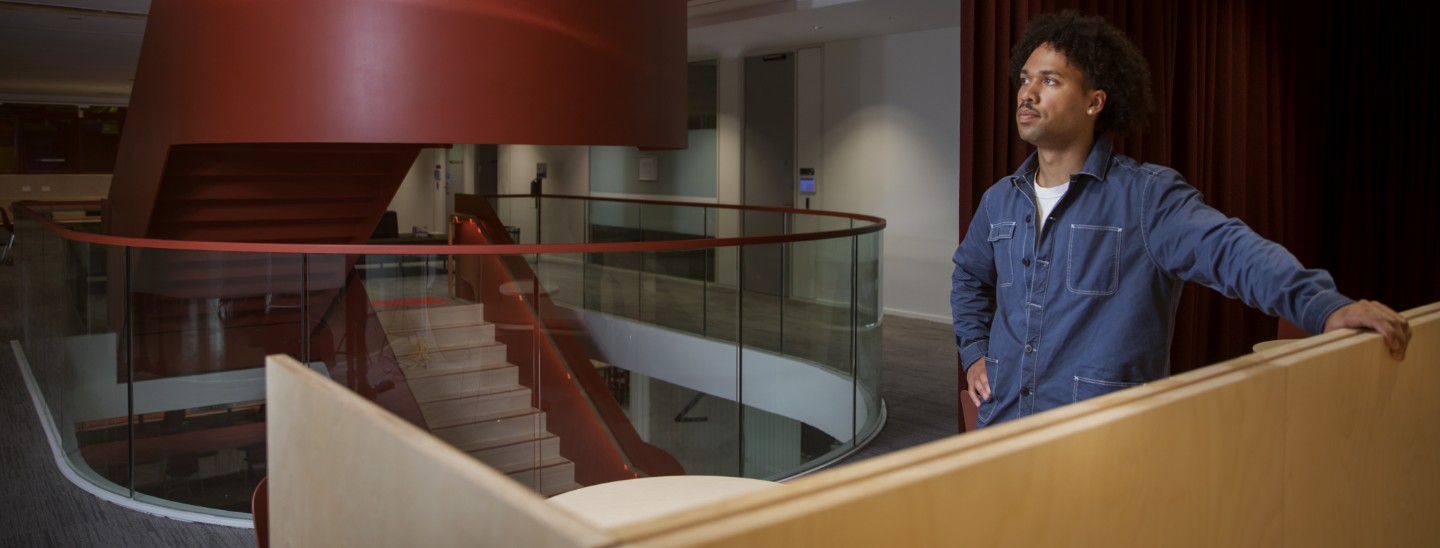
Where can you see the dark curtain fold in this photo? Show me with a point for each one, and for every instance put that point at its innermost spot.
(1288, 119)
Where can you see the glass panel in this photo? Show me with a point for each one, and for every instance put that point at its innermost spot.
(562, 220)
(817, 312)
(367, 319)
(70, 348)
(672, 283)
(869, 332)
(518, 216)
(201, 324)
(93, 421)
(673, 289)
(563, 275)
(722, 296)
(678, 390)
(798, 407)
(612, 280)
(763, 282)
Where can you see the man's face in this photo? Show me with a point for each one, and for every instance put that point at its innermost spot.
(1053, 108)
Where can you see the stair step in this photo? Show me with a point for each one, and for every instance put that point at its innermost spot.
(267, 231)
(412, 341)
(521, 453)
(212, 211)
(546, 477)
(487, 379)
(429, 363)
(488, 432)
(476, 408)
(428, 317)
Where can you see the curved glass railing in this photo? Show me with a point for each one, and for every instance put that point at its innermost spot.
(565, 341)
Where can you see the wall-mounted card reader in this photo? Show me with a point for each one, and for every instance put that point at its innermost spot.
(807, 180)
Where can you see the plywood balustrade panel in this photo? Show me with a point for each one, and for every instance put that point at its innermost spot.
(1195, 464)
(344, 472)
(1363, 443)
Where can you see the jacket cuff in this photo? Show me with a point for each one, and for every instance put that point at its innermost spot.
(1321, 306)
(976, 350)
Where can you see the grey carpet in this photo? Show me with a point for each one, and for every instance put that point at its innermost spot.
(39, 507)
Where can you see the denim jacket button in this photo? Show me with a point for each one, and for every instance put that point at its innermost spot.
(1025, 261)
(1024, 391)
(1027, 218)
(1029, 349)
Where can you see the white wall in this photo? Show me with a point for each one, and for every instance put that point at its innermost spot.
(414, 201)
(567, 171)
(892, 149)
(729, 154)
(729, 129)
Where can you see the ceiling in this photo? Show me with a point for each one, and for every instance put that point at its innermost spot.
(86, 51)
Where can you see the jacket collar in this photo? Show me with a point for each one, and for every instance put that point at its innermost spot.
(1097, 165)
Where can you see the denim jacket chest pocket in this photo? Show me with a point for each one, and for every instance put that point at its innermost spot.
(1002, 236)
(1092, 264)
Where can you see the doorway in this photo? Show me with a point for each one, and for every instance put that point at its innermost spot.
(769, 153)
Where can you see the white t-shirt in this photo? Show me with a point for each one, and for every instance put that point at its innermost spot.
(1048, 197)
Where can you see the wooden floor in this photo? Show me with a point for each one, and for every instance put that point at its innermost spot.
(38, 507)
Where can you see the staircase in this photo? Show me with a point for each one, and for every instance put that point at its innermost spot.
(472, 398)
(288, 193)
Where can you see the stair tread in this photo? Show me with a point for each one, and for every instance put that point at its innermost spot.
(456, 349)
(481, 420)
(434, 327)
(395, 330)
(549, 462)
(498, 443)
(502, 390)
(429, 371)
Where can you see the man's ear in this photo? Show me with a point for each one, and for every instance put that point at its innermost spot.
(1097, 102)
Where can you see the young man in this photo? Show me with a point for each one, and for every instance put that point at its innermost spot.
(1067, 283)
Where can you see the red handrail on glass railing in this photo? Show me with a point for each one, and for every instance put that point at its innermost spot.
(876, 224)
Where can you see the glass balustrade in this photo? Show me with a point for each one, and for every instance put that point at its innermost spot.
(564, 341)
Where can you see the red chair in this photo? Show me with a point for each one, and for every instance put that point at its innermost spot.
(260, 511)
(969, 413)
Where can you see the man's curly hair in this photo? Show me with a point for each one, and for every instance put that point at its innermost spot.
(1107, 58)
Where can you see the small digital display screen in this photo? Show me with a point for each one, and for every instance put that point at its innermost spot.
(807, 184)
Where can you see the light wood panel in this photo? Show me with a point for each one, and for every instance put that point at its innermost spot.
(1324, 441)
(1045, 487)
(1259, 451)
(1363, 447)
(343, 472)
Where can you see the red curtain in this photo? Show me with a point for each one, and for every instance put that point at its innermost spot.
(1287, 119)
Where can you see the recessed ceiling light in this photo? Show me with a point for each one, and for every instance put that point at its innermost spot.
(818, 27)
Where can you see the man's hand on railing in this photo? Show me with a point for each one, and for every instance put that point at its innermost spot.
(1377, 317)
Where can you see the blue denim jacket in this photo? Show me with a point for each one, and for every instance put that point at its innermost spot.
(1088, 307)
